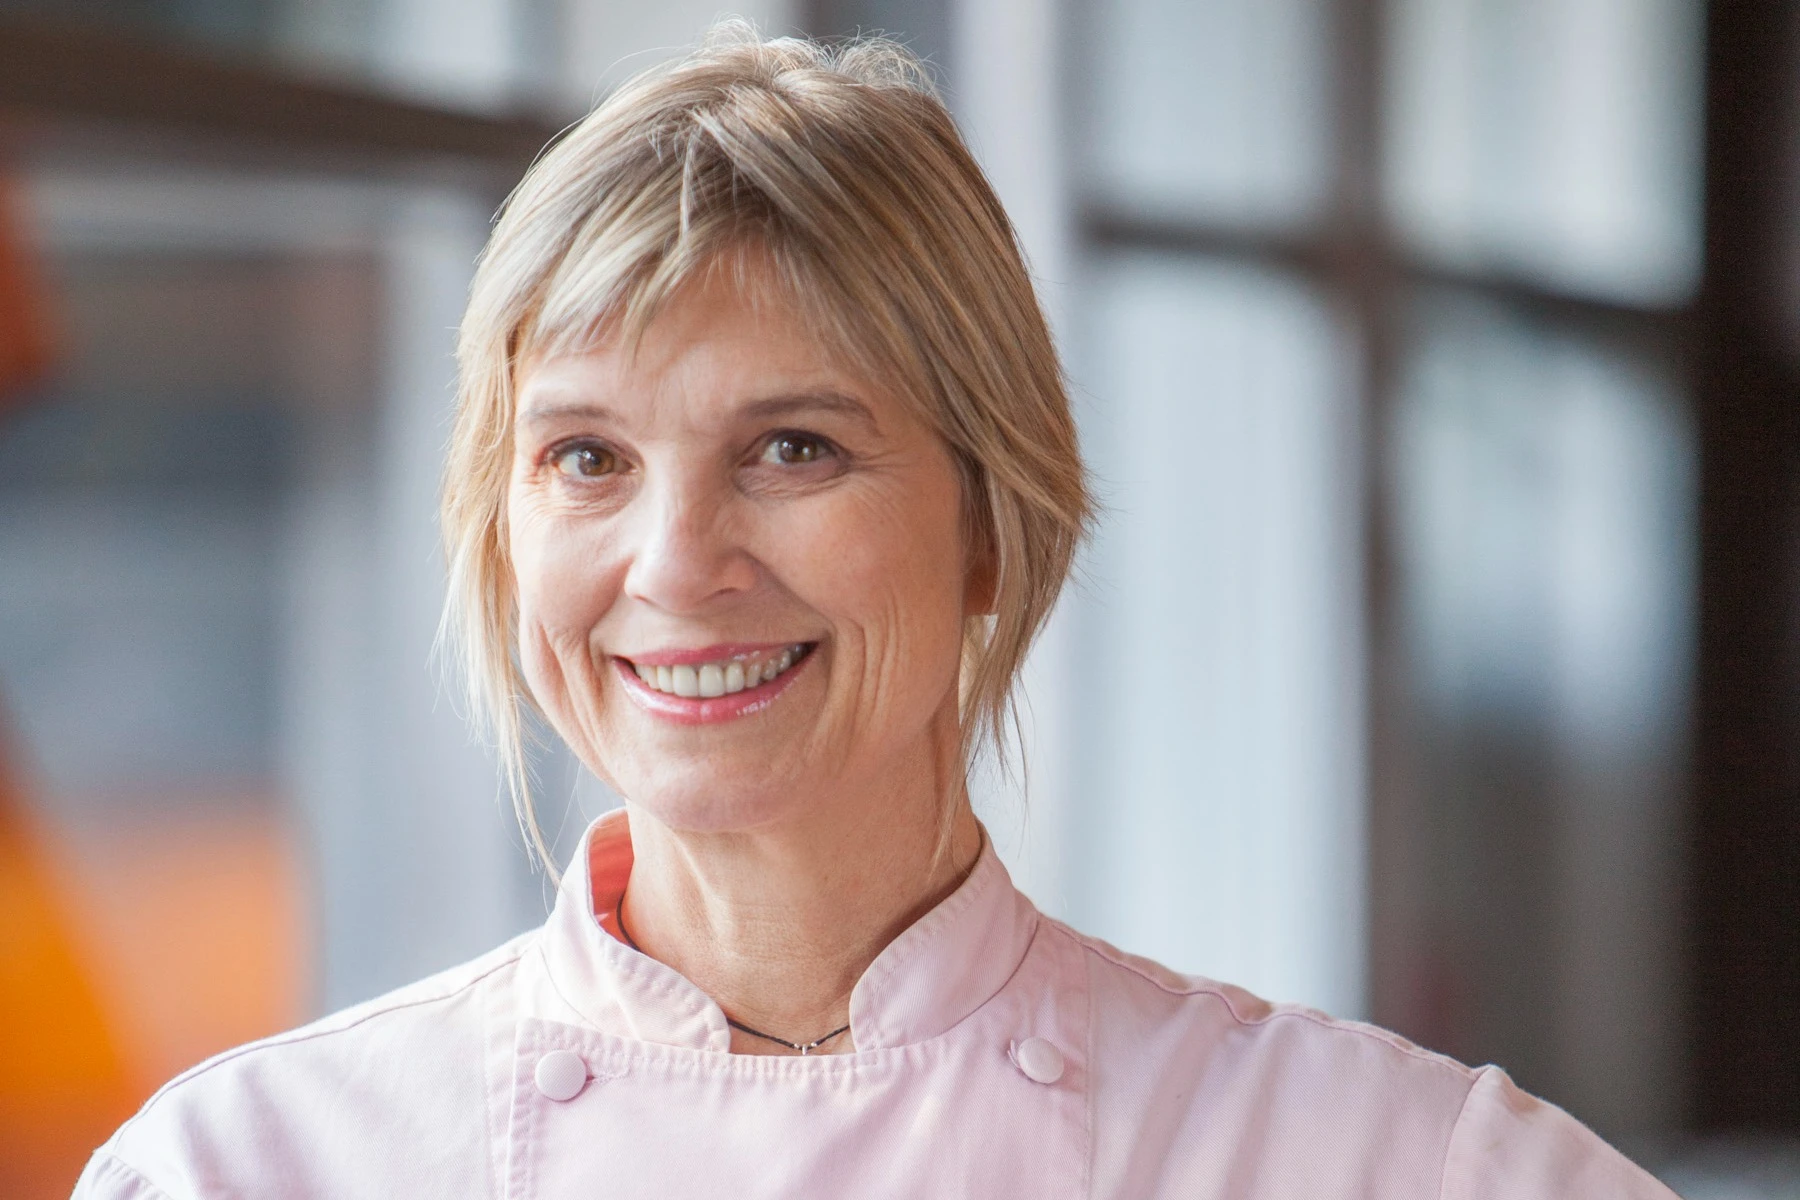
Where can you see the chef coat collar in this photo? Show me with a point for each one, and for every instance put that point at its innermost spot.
(943, 967)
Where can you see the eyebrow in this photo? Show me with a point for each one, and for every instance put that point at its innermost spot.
(539, 413)
(766, 407)
(800, 402)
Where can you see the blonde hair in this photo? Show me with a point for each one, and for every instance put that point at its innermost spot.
(839, 169)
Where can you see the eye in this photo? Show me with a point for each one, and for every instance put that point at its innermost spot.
(586, 461)
(796, 449)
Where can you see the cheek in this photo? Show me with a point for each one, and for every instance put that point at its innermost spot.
(563, 580)
(891, 569)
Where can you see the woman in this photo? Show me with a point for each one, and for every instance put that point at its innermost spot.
(763, 480)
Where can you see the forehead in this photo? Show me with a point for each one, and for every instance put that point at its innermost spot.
(713, 348)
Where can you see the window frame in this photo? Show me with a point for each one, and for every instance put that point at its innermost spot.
(1733, 351)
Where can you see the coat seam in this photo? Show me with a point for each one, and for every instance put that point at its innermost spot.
(118, 1166)
(1093, 1092)
(299, 1037)
(1318, 1020)
(1455, 1128)
(521, 1125)
(490, 1025)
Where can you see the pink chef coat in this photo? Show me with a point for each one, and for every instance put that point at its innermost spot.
(998, 1054)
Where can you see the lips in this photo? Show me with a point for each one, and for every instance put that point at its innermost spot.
(717, 683)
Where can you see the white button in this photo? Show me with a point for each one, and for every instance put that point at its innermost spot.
(561, 1074)
(1041, 1062)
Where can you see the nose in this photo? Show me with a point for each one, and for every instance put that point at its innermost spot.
(685, 553)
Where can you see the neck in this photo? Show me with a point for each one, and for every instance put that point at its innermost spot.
(778, 923)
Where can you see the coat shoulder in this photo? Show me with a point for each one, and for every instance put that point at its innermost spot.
(1154, 991)
(1202, 1087)
(321, 1097)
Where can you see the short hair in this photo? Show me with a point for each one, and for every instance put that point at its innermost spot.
(839, 168)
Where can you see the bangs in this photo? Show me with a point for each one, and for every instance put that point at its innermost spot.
(622, 269)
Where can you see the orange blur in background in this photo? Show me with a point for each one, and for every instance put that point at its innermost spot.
(125, 961)
(131, 951)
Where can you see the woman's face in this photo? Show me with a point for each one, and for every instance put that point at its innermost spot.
(741, 574)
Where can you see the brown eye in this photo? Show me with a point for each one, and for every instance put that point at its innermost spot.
(795, 449)
(587, 462)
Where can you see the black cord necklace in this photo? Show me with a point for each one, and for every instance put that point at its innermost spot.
(804, 1048)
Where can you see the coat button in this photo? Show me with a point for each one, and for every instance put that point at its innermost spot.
(561, 1074)
(1041, 1061)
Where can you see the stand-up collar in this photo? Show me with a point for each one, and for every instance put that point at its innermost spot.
(943, 967)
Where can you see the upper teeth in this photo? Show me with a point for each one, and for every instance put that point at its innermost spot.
(708, 680)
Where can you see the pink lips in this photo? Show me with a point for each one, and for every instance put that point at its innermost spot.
(684, 710)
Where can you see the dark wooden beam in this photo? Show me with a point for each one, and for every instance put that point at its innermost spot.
(1744, 1037)
(1359, 268)
(1112, 229)
(85, 76)
(1375, 272)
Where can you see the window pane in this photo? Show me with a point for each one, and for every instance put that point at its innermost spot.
(331, 34)
(1206, 109)
(482, 55)
(1545, 505)
(1220, 633)
(1556, 139)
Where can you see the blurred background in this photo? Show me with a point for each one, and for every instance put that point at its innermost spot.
(1437, 661)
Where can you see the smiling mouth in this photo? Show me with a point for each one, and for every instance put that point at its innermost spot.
(723, 677)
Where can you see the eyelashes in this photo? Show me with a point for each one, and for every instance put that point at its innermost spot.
(797, 448)
(584, 459)
(590, 459)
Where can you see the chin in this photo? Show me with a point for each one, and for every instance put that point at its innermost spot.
(712, 801)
